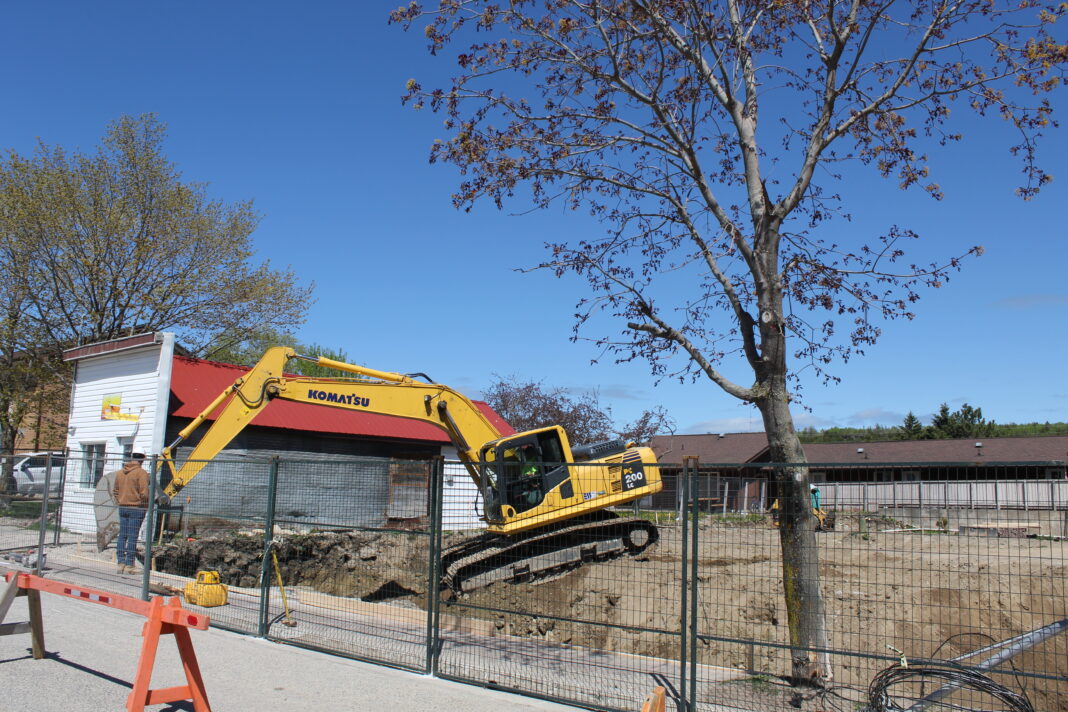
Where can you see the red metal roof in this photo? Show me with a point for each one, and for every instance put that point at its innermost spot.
(195, 383)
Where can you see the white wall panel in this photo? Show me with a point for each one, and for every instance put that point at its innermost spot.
(137, 376)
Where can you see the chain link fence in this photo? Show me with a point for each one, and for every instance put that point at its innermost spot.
(370, 558)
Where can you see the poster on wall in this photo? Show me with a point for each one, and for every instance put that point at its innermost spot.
(111, 409)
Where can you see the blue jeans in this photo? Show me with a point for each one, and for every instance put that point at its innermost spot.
(130, 519)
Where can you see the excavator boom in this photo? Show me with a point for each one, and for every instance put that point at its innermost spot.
(390, 394)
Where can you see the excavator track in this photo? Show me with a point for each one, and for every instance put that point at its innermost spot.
(544, 554)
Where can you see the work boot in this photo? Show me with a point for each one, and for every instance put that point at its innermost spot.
(121, 569)
(131, 570)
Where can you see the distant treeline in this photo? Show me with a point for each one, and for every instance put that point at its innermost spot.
(967, 422)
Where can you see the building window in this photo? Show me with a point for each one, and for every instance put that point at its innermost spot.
(127, 448)
(92, 464)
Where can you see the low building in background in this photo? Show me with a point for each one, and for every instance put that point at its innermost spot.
(736, 473)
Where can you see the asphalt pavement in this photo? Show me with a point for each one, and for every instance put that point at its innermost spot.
(93, 652)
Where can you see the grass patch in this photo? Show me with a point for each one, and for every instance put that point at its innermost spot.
(658, 517)
(50, 527)
(23, 509)
(739, 518)
(728, 518)
(760, 682)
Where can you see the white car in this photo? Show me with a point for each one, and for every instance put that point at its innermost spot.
(30, 470)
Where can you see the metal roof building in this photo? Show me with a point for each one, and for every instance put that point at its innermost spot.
(196, 382)
(741, 448)
(134, 394)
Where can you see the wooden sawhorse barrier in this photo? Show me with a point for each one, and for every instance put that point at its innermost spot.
(656, 701)
(163, 619)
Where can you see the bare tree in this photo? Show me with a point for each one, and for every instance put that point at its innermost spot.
(527, 405)
(710, 138)
(27, 363)
(25, 371)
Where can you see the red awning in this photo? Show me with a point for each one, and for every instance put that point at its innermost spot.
(195, 383)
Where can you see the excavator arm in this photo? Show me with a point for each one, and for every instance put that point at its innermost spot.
(379, 392)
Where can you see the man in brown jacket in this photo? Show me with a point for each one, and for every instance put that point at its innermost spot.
(130, 490)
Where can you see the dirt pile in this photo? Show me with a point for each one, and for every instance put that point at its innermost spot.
(371, 566)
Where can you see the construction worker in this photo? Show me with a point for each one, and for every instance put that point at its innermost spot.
(532, 485)
(130, 490)
(814, 496)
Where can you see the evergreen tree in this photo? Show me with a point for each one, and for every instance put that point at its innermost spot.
(940, 423)
(968, 422)
(911, 427)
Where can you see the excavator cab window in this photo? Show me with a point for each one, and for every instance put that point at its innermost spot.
(490, 484)
(522, 471)
(530, 466)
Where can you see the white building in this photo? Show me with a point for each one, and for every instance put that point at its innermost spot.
(118, 406)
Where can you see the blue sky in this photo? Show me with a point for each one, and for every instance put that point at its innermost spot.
(297, 107)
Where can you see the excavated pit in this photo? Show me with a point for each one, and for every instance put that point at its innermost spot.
(881, 588)
(366, 565)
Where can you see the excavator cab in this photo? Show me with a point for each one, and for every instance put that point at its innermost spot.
(521, 470)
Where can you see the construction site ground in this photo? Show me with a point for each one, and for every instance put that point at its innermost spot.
(395, 633)
(918, 592)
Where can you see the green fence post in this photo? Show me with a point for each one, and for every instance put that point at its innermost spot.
(43, 527)
(695, 509)
(268, 542)
(62, 494)
(684, 613)
(433, 589)
(150, 527)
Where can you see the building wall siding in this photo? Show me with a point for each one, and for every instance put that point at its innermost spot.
(135, 375)
(461, 499)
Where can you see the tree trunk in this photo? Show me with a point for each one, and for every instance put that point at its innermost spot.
(805, 611)
(8, 486)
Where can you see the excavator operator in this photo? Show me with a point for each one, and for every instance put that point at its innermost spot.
(525, 491)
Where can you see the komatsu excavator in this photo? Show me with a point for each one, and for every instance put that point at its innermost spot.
(545, 504)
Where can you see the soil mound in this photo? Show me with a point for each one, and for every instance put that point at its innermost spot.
(368, 565)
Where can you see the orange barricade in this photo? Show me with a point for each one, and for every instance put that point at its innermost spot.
(163, 619)
(656, 701)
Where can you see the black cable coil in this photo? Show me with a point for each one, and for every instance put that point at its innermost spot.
(882, 697)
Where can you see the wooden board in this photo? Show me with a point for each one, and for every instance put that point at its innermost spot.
(107, 512)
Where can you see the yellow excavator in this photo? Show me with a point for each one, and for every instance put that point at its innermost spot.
(545, 504)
